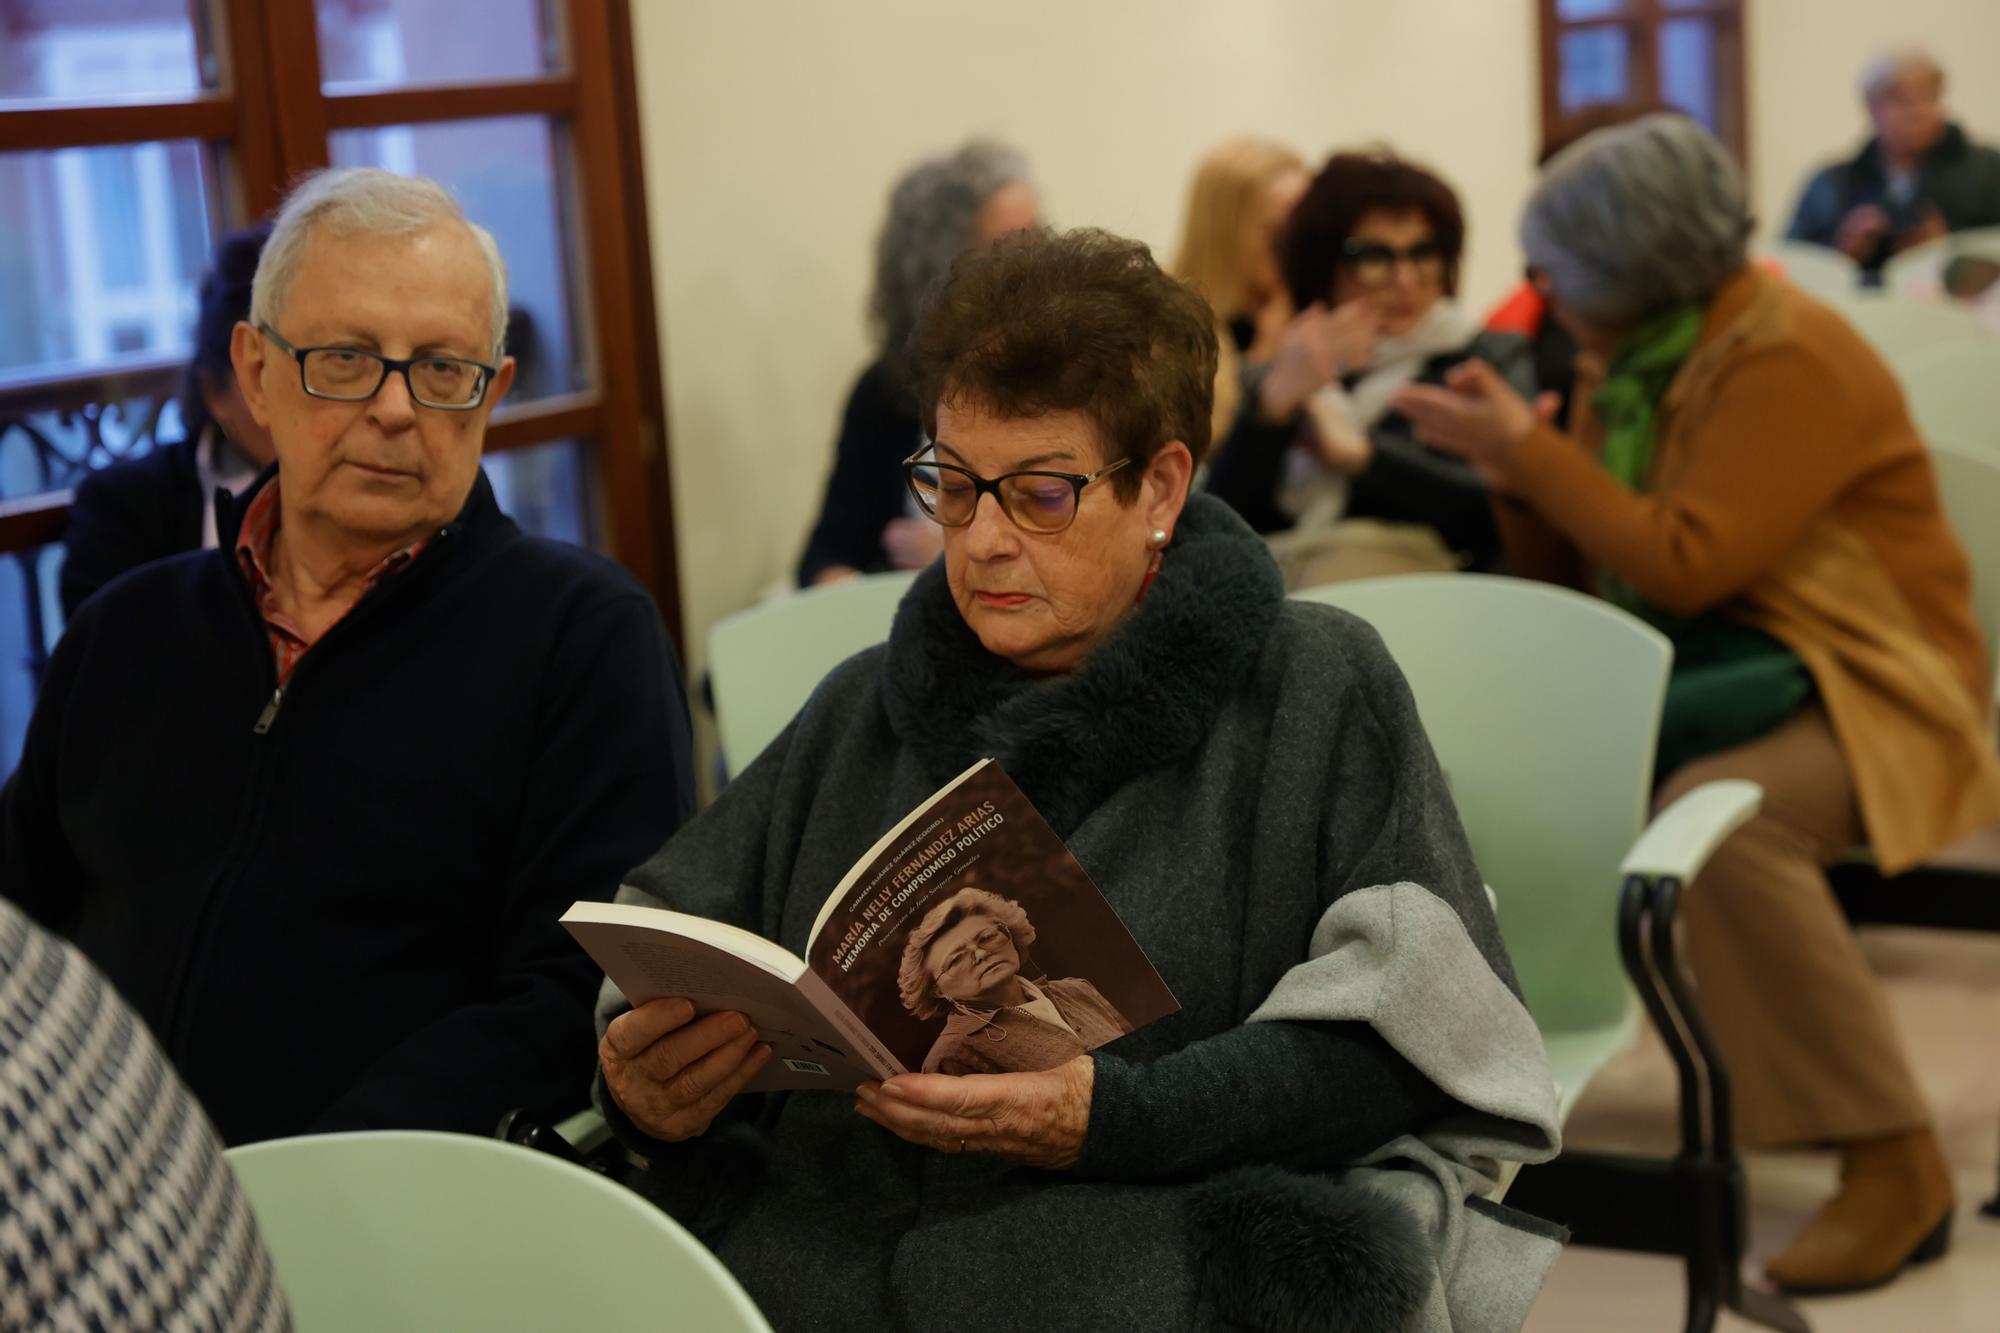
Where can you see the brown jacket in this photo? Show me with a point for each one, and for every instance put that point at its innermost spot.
(1790, 489)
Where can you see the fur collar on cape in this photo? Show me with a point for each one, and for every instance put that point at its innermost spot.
(1144, 699)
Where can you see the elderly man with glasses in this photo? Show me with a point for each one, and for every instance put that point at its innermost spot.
(314, 800)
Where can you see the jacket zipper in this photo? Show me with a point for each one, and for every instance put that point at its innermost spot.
(270, 713)
(237, 853)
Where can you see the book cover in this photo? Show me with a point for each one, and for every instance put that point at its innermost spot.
(972, 927)
(967, 940)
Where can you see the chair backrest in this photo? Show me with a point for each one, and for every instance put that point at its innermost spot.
(764, 662)
(1954, 393)
(1544, 708)
(1969, 485)
(409, 1230)
(1825, 272)
(1904, 331)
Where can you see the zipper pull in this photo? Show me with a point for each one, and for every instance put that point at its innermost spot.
(270, 713)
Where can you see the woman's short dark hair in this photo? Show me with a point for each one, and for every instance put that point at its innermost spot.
(225, 300)
(1349, 187)
(1075, 321)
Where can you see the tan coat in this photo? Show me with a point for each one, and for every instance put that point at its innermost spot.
(1790, 489)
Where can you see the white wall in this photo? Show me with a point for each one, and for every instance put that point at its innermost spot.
(1804, 58)
(773, 127)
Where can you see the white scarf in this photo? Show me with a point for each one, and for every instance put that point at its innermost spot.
(1313, 494)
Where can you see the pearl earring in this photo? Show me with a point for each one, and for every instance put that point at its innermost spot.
(1159, 536)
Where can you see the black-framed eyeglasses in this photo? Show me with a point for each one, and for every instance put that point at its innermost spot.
(1037, 501)
(1373, 264)
(352, 375)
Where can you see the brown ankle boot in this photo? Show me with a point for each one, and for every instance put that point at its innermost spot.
(1893, 1210)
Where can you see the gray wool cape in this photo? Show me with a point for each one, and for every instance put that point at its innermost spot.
(1246, 779)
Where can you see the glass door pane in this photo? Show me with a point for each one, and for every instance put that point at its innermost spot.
(550, 490)
(508, 173)
(1688, 69)
(378, 43)
(1595, 65)
(62, 50)
(102, 252)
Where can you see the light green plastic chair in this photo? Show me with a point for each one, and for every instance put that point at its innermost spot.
(1544, 708)
(1920, 269)
(1954, 394)
(1821, 270)
(1969, 485)
(444, 1232)
(764, 662)
(1905, 332)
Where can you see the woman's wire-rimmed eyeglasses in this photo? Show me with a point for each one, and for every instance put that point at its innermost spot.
(1036, 501)
(354, 375)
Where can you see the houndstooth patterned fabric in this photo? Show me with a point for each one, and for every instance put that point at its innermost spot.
(117, 1211)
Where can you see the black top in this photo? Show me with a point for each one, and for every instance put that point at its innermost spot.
(1554, 354)
(1958, 178)
(336, 904)
(1406, 481)
(865, 490)
(130, 514)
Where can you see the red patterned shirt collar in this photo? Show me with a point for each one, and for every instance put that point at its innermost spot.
(253, 552)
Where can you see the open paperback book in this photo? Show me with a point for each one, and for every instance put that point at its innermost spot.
(967, 940)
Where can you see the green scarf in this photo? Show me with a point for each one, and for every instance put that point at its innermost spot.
(1642, 366)
(1731, 683)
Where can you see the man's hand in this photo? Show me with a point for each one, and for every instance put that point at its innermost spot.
(1930, 229)
(1861, 231)
(1034, 1119)
(673, 1075)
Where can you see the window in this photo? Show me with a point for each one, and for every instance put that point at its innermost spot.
(1683, 53)
(137, 132)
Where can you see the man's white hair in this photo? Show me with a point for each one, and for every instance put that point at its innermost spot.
(1889, 66)
(364, 201)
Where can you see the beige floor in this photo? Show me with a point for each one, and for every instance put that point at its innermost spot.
(1946, 992)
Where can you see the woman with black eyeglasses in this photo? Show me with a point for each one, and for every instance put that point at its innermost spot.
(1317, 453)
(1245, 778)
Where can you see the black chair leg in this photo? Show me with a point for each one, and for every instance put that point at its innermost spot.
(1714, 1201)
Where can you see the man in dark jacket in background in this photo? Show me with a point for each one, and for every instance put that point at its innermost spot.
(163, 502)
(1917, 179)
(315, 800)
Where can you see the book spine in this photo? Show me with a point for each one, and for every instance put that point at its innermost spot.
(872, 1051)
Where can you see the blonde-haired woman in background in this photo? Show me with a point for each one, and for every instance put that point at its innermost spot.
(1243, 191)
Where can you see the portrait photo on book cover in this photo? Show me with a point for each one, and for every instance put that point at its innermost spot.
(1009, 961)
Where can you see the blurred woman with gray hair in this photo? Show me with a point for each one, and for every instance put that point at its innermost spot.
(1746, 477)
(941, 208)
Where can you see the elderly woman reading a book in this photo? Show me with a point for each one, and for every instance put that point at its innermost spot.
(1244, 778)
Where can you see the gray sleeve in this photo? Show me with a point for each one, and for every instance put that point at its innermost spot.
(1306, 1092)
(1301, 1094)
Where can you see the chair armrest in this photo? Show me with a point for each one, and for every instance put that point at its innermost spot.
(583, 1138)
(1680, 840)
(586, 1131)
